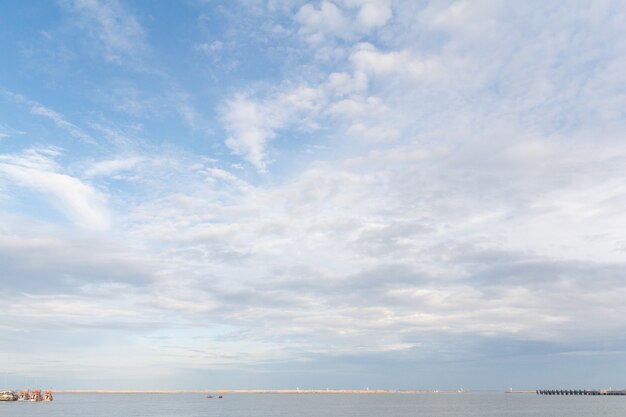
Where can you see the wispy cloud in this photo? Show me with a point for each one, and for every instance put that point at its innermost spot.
(36, 169)
(119, 33)
(58, 119)
(111, 167)
(7, 132)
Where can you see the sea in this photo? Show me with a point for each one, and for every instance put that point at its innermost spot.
(470, 404)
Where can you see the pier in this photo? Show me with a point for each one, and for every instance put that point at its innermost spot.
(580, 392)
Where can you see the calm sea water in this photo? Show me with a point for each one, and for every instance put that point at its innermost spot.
(319, 405)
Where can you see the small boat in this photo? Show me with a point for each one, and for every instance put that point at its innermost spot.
(7, 395)
(35, 395)
(47, 396)
(23, 396)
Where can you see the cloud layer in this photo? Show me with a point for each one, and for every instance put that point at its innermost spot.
(346, 188)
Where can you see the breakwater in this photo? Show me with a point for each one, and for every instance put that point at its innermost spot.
(257, 391)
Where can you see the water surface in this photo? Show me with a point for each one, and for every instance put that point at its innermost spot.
(319, 405)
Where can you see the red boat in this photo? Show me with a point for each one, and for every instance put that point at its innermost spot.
(35, 395)
(47, 396)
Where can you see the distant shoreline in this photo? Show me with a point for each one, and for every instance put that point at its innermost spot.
(280, 391)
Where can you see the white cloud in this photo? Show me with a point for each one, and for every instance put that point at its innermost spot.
(253, 123)
(111, 167)
(318, 23)
(342, 83)
(531, 149)
(371, 13)
(367, 59)
(346, 20)
(78, 201)
(366, 118)
(354, 219)
(371, 133)
(470, 18)
(251, 127)
(212, 47)
(121, 35)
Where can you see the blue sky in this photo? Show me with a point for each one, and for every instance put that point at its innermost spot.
(341, 194)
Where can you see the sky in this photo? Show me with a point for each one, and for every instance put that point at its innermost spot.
(318, 194)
